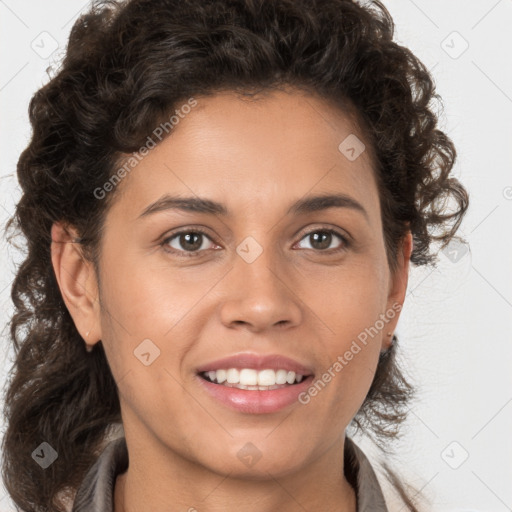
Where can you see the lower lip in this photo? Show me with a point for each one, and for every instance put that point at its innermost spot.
(256, 401)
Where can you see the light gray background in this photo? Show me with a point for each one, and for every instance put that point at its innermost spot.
(455, 329)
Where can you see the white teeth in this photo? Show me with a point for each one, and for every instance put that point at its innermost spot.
(281, 376)
(249, 378)
(233, 376)
(266, 377)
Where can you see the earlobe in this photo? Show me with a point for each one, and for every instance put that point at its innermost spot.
(397, 290)
(77, 282)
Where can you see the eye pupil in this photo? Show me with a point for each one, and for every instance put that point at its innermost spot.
(187, 237)
(319, 235)
(191, 241)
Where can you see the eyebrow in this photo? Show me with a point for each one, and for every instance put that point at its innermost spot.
(202, 205)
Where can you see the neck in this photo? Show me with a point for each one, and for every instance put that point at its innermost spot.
(321, 486)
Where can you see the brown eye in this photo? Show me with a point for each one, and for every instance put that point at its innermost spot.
(191, 242)
(322, 240)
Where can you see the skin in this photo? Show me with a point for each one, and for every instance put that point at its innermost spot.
(257, 158)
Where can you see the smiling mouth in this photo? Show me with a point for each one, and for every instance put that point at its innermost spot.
(253, 380)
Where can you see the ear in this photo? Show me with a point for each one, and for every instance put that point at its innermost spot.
(77, 281)
(397, 289)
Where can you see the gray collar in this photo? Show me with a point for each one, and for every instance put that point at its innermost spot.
(97, 489)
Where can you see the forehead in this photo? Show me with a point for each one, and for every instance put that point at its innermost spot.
(256, 152)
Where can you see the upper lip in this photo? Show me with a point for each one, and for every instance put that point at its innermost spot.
(257, 362)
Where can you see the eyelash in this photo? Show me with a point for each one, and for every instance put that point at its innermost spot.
(193, 254)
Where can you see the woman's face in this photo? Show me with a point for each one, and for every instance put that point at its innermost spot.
(265, 278)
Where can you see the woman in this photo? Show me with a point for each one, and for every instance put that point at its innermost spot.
(220, 200)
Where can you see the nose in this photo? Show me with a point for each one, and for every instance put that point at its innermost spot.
(260, 297)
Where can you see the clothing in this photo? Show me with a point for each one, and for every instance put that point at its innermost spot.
(96, 494)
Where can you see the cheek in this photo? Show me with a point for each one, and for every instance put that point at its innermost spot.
(350, 305)
(349, 299)
(148, 298)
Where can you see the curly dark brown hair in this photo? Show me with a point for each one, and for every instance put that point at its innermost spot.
(127, 66)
